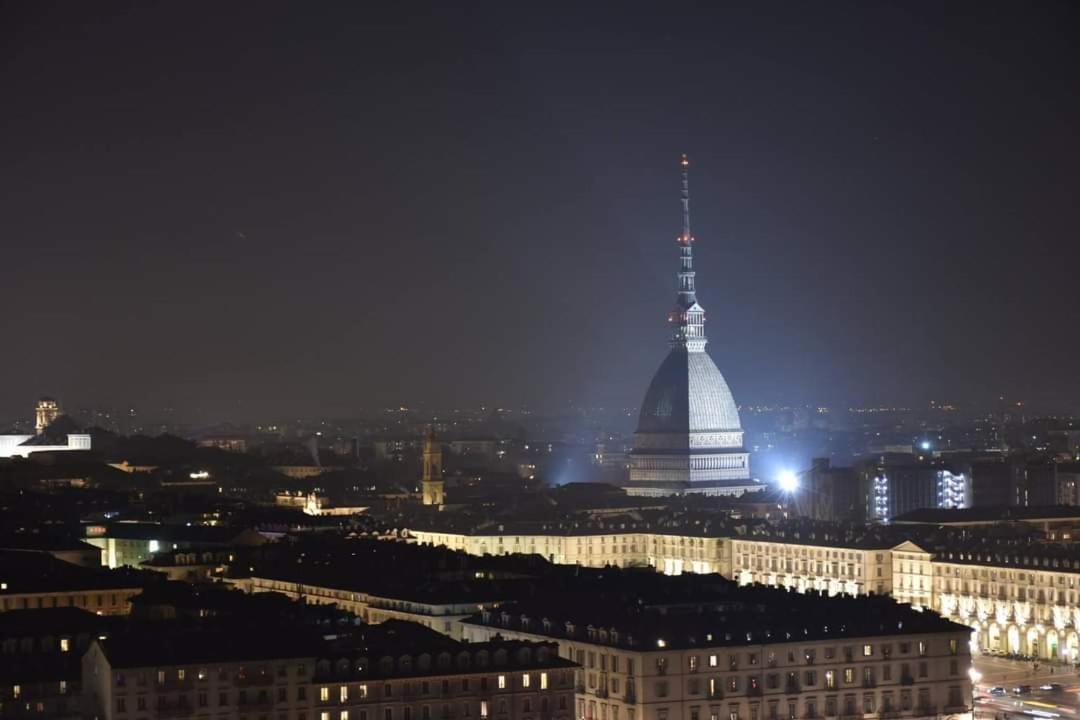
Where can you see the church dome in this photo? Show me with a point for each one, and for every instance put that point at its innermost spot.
(688, 394)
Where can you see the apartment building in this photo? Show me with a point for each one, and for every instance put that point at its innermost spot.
(395, 671)
(1019, 598)
(760, 654)
(30, 581)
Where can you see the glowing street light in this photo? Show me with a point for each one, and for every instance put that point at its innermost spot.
(789, 481)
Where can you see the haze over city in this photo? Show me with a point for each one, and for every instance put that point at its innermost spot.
(539, 361)
(477, 205)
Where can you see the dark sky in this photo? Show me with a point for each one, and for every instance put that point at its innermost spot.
(260, 209)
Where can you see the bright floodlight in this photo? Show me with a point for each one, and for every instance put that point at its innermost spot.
(789, 481)
(925, 445)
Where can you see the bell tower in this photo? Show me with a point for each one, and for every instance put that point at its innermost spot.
(47, 410)
(432, 482)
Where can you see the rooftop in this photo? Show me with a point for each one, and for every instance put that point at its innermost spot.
(752, 615)
(23, 572)
(931, 516)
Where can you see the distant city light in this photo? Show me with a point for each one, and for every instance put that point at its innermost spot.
(789, 481)
(925, 445)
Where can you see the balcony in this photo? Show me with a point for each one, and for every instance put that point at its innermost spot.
(255, 704)
(254, 680)
(175, 710)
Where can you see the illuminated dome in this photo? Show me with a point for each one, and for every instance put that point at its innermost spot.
(688, 394)
(689, 439)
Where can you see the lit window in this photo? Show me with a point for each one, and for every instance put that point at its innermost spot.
(324, 715)
(201, 674)
(502, 682)
(713, 661)
(344, 715)
(543, 681)
(180, 674)
(324, 694)
(483, 708)
(525, 680)
(343, 695)
(16, 691)
(363, 691)
(161, 677)
(867, 650)
(63, 687)
(65, 644)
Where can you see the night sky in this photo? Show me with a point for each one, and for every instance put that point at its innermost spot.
(251, 210)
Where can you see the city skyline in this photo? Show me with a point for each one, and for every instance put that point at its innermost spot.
(304, 229)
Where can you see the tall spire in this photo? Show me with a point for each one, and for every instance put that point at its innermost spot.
(688, 318)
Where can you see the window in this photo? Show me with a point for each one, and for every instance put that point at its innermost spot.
(324, 694)
(525, 680)
(344, 715)
(180, 674)
(343, 694)
(65, 644)
(867, 650)
(363, 691)
(954, 667)
(483, 709)
(324, 715)
(810, 677)
(502, 682)
(713, 661)
(121, 705)
(868, 702)
(954, 646)
(543, 681)
(388, 714)
(661, 688)
(63, 687)
(922, 668)
(849, 675)
(161, 677)
(922, 647)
